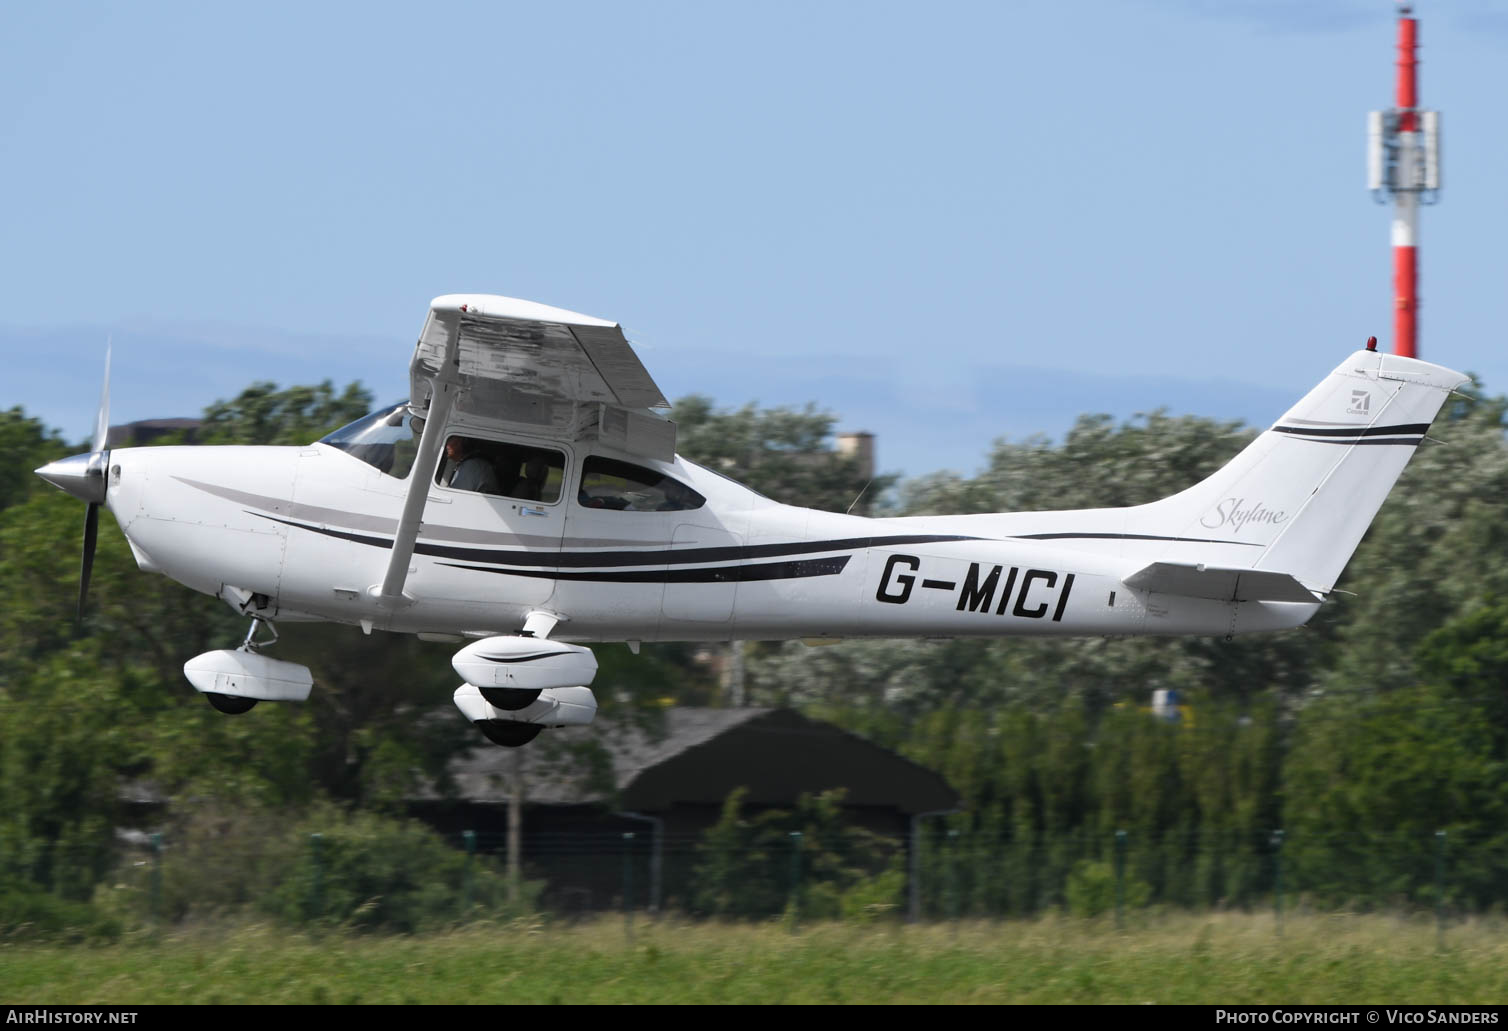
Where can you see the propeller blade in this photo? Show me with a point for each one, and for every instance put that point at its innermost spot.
(91, 533)
(102, 416)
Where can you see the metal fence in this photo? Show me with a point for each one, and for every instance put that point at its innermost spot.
(950, 874)
(940, 874)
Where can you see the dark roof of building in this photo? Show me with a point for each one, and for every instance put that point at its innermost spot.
(145, 430)
(699, 756)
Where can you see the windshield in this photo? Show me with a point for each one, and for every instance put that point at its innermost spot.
(387, 439)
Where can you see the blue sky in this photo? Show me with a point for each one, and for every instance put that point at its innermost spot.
(944, 222)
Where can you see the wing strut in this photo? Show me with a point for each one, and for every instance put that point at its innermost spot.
(444, 388)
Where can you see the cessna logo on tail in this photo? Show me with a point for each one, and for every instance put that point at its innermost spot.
(1236, 514)
(1361, 403)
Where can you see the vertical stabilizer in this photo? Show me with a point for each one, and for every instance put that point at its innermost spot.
(1304, 492)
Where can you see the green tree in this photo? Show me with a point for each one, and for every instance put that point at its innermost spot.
(25, 444)
(263, 414)
(1468, 656)
(734, 873)
(1098, 465)
(784, 453)
(1369, 780)
(1438, 547)
(372, 873)
(745, 864)
(61, 753)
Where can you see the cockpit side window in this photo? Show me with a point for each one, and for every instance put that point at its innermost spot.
(624, 487)
(501, 468)
(387, 440)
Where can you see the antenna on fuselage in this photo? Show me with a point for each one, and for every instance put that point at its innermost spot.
(857, 497)
(859, 447)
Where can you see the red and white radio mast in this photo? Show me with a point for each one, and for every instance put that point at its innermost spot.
(1403, 163)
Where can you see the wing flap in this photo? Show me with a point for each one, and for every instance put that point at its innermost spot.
(1218, 584)
(615, 361)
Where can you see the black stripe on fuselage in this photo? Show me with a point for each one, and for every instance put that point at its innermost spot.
(795, 570)
(1126, 537)
(577, 559)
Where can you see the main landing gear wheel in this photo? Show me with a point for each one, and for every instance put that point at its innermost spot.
(231, 705)
(509, 699)
(509, 734)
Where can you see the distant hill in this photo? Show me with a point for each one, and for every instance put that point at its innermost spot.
(927, 415)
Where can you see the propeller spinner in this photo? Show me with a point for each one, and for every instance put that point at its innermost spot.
(83, 476)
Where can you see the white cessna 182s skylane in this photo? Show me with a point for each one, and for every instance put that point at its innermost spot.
(529, 497)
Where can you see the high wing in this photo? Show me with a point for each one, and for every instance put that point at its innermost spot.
(513, 364)
(542, 369)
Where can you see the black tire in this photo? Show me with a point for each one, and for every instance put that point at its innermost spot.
(509, 734)
(509, 699)
(231, 705)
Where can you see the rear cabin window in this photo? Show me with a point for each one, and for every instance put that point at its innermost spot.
(506, 470)
(625, 487)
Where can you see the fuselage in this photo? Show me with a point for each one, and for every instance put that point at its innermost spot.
(307, 533)
(530, 498)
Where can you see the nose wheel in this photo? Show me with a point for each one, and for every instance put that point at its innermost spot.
(235, 704)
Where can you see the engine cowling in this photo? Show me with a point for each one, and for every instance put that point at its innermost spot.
(525, 664)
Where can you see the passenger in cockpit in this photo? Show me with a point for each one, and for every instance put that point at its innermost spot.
(531, 485)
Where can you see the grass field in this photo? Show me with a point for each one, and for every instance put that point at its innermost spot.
(1218, 958)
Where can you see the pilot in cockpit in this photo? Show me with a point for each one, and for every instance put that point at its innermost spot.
(469, 470)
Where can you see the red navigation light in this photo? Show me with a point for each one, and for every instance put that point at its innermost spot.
(1371, 343)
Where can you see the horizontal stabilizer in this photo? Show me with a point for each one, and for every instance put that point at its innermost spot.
(1219, 584)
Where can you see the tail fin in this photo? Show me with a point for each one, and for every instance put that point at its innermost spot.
(1306, 490)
